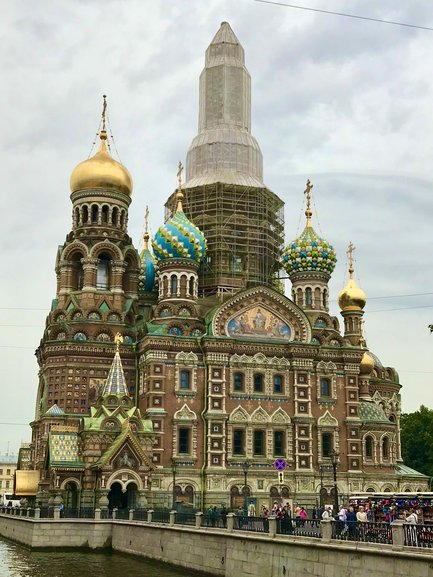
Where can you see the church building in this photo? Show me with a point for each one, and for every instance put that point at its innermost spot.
(182, 373)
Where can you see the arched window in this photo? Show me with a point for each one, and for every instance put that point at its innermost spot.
(94, 214)
(326, 444)
(238, 382)
(77, 217)
(324, 299)
(325, 388)
(115, 216)
(85, 214)
(278, 384)
(191, 286)
(103, 272)
(185, 380)
(173, 284)
(279, 444)
(77, 272)
(104, 214)
(369, 447)
(385, 448)
(308, 297)
(238, 442)
(258, 383)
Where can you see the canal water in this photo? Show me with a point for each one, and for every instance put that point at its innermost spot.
(17, 561)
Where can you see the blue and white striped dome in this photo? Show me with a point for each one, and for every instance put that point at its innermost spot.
(179, 238)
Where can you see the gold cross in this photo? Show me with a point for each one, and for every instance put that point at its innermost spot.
(307, 192)
(104, 110)
(349, 253)
(118, 339)
(179, 193)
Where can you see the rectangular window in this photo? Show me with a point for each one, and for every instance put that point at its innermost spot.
(258, 383)
(259, 444)
(184, 380)
(238, 442)
(326, 444)
(8, 484)
(1, 483)
(1, 471)
(325, 388)
(184, 441)
(238, 382)
(8, 471)
(278, 384)
(279, 444)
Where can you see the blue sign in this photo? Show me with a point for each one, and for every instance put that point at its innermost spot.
(280, 464)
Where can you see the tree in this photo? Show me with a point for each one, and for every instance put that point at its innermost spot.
(417, 440)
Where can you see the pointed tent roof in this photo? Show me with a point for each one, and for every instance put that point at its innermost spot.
(115, 383)
(225, 35)
(54, 410)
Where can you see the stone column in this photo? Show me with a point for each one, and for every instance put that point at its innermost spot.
(37, 513)
(114, 513)
(89, 269)
(131, 514)
(56, 512)
(97, 514)
(117, 271)
(65, 282)
(149, 515)
(230, 522)
(198, 519)
(172, 518)
(326, 530)
(397, 528)
(272, 527)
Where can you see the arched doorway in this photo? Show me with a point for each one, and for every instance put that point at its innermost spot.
(131, 495)
(71, 495)
(117, 499)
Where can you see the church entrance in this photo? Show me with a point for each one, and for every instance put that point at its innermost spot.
(120, 499)
(71, 495)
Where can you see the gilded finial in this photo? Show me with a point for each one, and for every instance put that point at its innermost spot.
(103, 133)
(179, 193)
(307, 192)
(146, 229)
(118, 339)
(349, 253)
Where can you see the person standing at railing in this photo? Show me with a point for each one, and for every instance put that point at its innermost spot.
(351, 522)
(412, 533)
(302, 516)
(223, 514)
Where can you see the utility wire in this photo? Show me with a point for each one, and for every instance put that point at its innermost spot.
(345, 15)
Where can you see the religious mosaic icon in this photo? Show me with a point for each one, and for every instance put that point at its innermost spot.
(258, 322)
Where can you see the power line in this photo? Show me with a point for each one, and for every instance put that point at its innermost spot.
(401, 309)
(344, 14)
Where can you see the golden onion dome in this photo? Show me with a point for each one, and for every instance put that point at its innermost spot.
(367, 364)
(351, 298)
(101, 171)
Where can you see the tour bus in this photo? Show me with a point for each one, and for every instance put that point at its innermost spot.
(9, 500)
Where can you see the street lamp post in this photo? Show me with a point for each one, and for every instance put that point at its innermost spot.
(173, 469)
(321, 487)
(334, 460)
(245, 468)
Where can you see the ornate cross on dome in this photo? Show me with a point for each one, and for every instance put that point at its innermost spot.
(307, 192)
(104, 112)
(349, 253)
(179, 193)
(118, 339)
(146, 228)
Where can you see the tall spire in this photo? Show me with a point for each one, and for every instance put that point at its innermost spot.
(224, 149)
(115, 383)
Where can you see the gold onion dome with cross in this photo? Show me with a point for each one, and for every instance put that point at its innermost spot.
(101, 170)
(309, 252)
(351, 297)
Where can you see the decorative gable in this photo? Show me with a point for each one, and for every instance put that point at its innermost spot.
(261, 313)
(327, 420)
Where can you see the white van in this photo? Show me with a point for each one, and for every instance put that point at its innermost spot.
(9, 500)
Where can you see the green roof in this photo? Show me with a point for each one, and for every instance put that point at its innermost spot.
(403, 470)
(370, 412)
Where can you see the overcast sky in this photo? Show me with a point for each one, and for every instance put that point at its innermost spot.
(344, 102)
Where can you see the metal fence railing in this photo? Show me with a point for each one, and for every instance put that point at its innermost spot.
(219, 521)
(256, 524)
(185, 519)
(82, 513)
(418, 536)
(161, 516)
(300, 527)
(140, 515)
(365, 532)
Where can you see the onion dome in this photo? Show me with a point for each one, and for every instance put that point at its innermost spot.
(101, 170)
(351, 297)
(179, 237)
(371, 413)
(367, 364)
(309, 252)
(146, 277)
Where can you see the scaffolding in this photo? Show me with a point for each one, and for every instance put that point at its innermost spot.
(244, 229)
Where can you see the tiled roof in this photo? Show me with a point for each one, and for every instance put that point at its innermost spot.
(55, 410)
(372, 413)
(115, 384)
(404, 470)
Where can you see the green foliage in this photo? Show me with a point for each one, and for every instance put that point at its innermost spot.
(417, 440)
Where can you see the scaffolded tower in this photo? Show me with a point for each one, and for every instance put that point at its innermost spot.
(225, 196)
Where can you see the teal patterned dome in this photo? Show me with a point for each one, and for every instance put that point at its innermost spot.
(179, 238)
(309, 252)
(146, 278)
